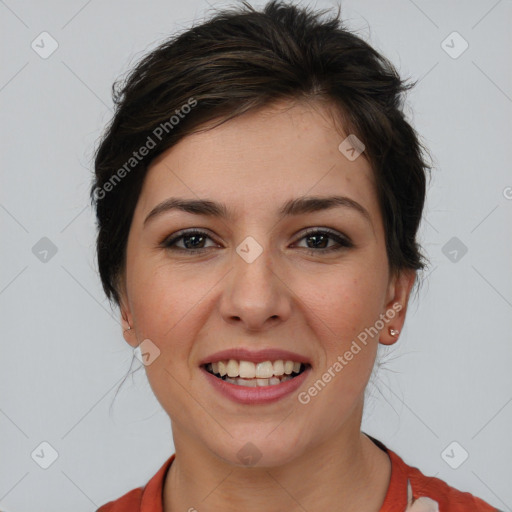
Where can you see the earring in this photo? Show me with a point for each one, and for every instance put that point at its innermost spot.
(129, 328)
(394, 332)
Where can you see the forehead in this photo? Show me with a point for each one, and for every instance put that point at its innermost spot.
(261, 157)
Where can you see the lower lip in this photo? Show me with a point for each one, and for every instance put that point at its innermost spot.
(256, 395)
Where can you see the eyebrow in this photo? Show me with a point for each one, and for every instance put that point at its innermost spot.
(292, 207)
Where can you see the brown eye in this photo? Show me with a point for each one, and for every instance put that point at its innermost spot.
(318, 240)
(193, 241)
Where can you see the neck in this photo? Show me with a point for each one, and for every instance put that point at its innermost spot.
(347, 470)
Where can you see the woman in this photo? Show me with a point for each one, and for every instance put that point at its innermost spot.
(258, 195)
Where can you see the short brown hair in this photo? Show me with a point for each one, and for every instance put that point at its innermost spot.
(243, 59)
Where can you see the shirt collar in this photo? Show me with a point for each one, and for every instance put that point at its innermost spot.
(153, 495)
(395, 499)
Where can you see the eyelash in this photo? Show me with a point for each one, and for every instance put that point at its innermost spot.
(342, 241)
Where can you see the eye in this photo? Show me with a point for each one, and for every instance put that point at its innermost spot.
(194, 241)
(320, 237)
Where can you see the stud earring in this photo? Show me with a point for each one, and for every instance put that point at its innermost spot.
(394, 332)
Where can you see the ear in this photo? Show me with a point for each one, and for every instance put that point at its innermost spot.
(399, 289)
(127, 320)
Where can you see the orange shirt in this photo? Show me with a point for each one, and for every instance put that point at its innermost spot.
(409, 490)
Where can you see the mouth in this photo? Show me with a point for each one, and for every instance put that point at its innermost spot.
(262, 374)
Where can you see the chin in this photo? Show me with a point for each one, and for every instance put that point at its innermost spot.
(260, 449)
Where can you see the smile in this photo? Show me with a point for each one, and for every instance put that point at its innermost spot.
(249, 374)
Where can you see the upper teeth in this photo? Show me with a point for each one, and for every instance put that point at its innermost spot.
(250, 370)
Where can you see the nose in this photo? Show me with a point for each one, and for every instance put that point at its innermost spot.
(255, 296)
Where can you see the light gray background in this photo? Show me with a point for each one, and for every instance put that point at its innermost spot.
(63, 356)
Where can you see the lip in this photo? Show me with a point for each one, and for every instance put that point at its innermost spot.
(255, 356)
(257, 395)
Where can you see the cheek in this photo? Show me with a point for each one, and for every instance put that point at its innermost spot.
(345, 301)
(165, 302)
(346, 307)
(344, 304)
(163, 294)
(162, 301)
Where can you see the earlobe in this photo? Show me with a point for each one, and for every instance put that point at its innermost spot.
(396, 308)
(127, 325)
(128, 332)
(390, 334)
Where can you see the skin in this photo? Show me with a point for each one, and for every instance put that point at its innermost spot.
(314, 456)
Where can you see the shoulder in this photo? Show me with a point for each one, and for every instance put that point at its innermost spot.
(129, 502)
(446, 498)
(147, 498)
(409, 490)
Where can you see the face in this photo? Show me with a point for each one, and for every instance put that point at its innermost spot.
(308, 281)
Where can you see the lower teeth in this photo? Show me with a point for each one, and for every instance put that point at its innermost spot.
(253, 383)
(256, 382)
